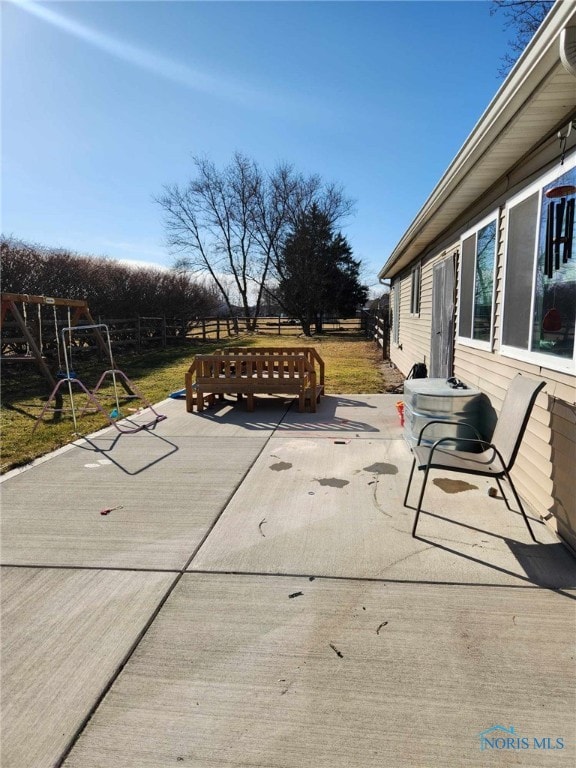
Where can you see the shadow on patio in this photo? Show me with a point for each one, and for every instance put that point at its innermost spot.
(257, 581)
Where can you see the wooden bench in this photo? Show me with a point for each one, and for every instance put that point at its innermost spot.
(309, 353)
(234, 372)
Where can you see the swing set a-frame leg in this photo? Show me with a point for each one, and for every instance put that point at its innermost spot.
(55, 395)
(30, 340)
(128, 385)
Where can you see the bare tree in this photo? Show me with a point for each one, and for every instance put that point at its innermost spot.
(524, 17)
(231, 223)
(208, 224)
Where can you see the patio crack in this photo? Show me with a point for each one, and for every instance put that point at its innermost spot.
(374, 482)
(407, 557)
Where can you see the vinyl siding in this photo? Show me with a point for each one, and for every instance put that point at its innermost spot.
(415, 330)
(544, 471)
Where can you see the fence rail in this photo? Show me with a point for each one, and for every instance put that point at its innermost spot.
(140, 333)
(376, 325)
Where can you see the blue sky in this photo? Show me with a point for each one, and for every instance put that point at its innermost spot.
(105, 102)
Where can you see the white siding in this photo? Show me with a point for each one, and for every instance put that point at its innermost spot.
(414, 340)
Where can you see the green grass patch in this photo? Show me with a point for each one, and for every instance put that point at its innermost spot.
(353, 366)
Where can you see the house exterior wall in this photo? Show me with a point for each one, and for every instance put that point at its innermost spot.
(415, 329)
(544, 472)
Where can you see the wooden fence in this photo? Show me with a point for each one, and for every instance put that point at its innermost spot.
(376, 325)
(217, 328)
(140, 333)
(144, 331)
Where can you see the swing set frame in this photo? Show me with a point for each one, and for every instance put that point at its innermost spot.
(77, 310)
(117, 376)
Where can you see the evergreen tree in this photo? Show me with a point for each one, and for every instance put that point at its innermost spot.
(317, 274)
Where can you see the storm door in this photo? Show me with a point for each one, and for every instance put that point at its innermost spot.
(442, 341)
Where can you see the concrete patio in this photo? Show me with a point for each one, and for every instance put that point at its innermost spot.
(255, 598)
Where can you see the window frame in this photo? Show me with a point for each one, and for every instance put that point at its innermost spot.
(549, 361)
(469, 341)
(415, 289)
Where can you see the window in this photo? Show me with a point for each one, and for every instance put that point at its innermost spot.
(539, 307)
(476, 292)
(415, 290)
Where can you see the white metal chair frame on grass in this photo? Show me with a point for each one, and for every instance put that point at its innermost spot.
(494, 458)
(71, 379)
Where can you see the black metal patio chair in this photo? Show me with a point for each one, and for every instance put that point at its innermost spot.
(493, 459)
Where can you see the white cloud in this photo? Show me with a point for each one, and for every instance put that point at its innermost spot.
(139, 263)
(162, 66)
(127, 249)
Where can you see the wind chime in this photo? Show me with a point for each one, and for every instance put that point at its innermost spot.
(559, 220)
(559, 227)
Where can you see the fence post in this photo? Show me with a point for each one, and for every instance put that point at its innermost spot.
(203, 329)
(138, 334)
(164, 342)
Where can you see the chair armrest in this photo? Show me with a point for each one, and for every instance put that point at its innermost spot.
(485, 444)
(452, 423)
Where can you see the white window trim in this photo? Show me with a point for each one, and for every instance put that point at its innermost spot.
(551, 362)
(465, 340)
(415, 289)
(486, 346)
(542, 181)
(560, 364)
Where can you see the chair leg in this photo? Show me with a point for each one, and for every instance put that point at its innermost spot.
(419, 507)
(521, 506)
(409, 482)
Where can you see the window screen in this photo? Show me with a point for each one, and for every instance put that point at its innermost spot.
(467, 286)
(522, 222)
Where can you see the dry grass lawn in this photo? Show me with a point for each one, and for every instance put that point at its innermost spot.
(353, 366)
